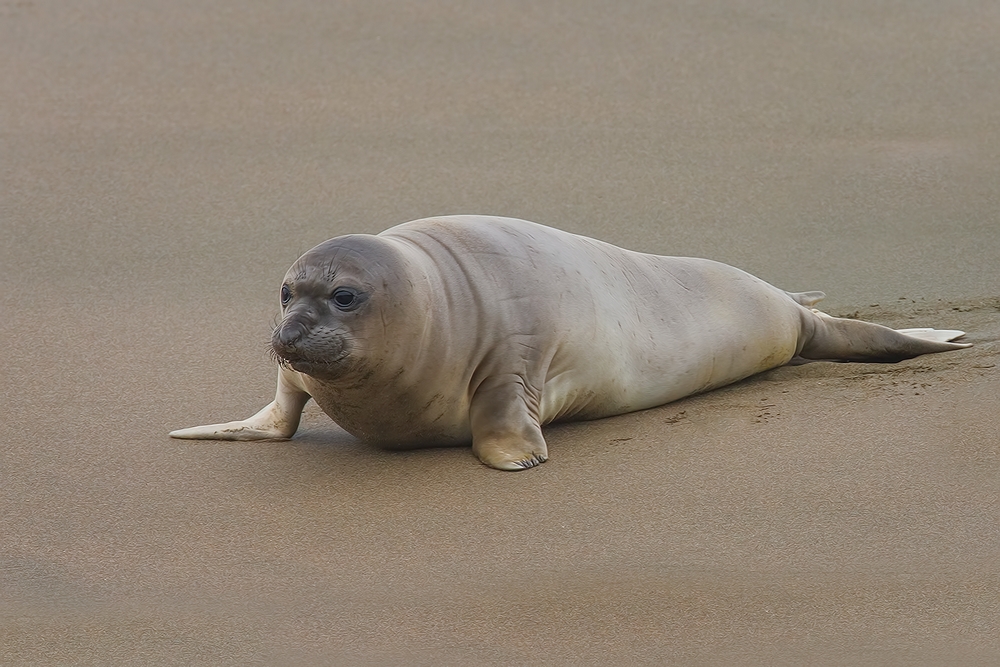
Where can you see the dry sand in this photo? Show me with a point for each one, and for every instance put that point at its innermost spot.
(161, 165)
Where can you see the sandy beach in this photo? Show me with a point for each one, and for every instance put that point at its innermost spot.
(162, 164)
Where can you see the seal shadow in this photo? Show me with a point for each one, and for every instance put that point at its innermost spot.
(324, 442)
(325, 445)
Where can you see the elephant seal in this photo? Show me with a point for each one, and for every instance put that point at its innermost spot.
(459, 329)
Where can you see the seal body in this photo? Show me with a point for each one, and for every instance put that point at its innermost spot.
(462, 329)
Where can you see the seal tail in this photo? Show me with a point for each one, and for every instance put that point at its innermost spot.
(829, 338)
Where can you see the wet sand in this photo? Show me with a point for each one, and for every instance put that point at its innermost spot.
(162, 164)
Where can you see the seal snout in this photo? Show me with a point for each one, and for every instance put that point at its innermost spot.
(311, 348)
(288, 339)
(289, 333)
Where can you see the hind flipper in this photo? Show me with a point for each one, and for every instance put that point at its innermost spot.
(807, 299)
(833, 338)
(939, 335)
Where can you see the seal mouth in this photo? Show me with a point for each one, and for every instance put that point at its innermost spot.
(314, 367)
(304, 364)
(313, 350)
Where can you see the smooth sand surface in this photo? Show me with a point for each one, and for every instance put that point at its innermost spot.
(161, 165)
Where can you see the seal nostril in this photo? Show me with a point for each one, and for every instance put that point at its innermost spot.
(288, 335)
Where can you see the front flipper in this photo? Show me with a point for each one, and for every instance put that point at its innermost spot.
(505, 435)
(278, 421)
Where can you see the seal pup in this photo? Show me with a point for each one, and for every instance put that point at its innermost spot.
(459, 329)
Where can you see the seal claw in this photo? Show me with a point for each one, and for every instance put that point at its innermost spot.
(515, 465)
(531, 462)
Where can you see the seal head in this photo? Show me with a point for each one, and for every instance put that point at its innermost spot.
(336, 300)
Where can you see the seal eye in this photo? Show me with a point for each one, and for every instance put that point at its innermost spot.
(345, 299)
(286, 295)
